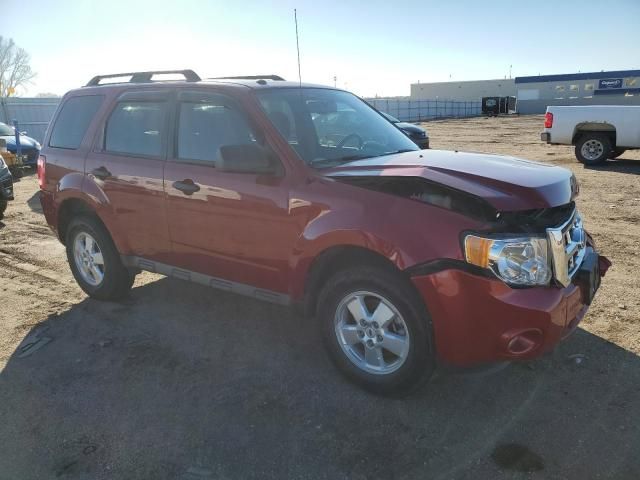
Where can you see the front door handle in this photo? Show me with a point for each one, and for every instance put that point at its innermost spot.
(186, 186)
(101, 172)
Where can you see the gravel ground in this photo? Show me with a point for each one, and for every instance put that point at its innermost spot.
(183, 382)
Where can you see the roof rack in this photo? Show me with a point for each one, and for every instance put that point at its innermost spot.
(144, 77)
(277, 78)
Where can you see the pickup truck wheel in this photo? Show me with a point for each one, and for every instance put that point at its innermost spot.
(616, 152)
(376, 331)
(593, 149)
(95, 261)
(3, 208)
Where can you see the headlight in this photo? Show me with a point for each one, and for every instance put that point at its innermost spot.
(517, 261)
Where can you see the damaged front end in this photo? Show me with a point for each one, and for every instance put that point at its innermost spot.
(524, 248)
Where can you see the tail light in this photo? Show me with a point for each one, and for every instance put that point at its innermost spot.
(42, 164)
(548, 120)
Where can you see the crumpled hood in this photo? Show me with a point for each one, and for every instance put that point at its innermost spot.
(506, 183)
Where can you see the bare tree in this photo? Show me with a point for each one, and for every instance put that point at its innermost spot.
(15, 70)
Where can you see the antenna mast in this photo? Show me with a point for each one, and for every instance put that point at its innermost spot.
(295, 18)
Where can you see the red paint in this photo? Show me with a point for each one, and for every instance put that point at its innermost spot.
(475, 318)
(267, 231)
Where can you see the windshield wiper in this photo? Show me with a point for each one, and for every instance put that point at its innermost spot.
(404, 150)
(330, 162)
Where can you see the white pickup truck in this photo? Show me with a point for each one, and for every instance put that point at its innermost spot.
(599, 132)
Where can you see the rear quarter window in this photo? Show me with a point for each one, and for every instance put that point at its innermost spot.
(73, 121)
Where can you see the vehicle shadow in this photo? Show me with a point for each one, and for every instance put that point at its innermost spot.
(619, 165)
(34, 202)
(181, 381)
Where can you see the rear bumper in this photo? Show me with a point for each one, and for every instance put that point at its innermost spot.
(49, 209)
(480, 320)
(545, 137)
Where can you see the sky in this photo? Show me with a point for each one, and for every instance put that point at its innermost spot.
(373, 47)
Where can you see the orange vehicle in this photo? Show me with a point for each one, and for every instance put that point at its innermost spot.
(11, 160)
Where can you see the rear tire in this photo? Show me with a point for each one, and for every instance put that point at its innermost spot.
(3, 208)
(389, 349)
(616, 152)
(593, 148)
(95, 261)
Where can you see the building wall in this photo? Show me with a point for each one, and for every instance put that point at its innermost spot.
(463, 91)
(597, 88)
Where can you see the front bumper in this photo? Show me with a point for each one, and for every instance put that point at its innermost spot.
(480, 319)
(6, 186)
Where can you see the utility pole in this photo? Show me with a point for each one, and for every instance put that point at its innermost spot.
(335, 81)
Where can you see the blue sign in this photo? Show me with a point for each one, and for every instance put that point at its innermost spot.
(610, 83)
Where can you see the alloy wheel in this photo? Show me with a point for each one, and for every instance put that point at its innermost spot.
(372, 333)
(592, 149)
(88, 258)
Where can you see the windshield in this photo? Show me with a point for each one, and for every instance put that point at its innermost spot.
(5, 130)
(329, 127)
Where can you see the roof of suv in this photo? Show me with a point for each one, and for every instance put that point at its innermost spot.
(190, 77)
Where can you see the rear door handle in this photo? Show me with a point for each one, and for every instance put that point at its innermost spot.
(186, 186)
(101, 172)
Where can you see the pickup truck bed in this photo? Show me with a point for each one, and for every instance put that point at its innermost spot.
(598, 132)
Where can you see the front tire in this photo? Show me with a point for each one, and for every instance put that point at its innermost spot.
(95, 261)
(593, 148)
(376, 330)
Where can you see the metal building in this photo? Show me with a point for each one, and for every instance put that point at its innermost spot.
(534, 94)
(472, 90)
(621, 87)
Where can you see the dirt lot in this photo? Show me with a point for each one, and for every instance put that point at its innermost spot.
(183, 382)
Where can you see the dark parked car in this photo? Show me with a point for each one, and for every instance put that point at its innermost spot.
(6, 187)
(30, 147)
(417, 134)
(405, 257)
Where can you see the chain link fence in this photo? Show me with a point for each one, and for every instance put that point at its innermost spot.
(407, 110)
(33, 114)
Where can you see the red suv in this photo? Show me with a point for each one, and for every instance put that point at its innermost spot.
(407, 258)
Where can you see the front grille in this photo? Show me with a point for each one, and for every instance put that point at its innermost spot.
(568, 244)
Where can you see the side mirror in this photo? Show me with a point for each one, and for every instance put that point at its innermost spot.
(248, 158)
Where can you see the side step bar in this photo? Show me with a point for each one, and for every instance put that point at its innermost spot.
(209, 281)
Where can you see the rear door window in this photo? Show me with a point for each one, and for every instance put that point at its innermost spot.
(73, 121)
(137, 128)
